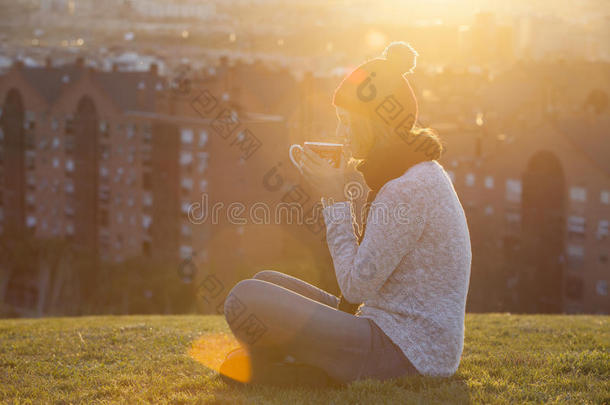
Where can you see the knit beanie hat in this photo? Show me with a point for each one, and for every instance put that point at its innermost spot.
(378, 89)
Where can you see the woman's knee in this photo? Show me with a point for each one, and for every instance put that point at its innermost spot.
(244, 308)
(242, 297)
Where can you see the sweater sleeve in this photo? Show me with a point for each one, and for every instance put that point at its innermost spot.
(395, 222)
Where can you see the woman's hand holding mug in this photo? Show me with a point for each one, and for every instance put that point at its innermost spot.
(323, 166)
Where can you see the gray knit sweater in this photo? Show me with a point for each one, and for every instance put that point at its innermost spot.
(412, 269)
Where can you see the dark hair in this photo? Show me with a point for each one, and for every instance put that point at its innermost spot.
(392, 153)
(427, 140)
(423, 142)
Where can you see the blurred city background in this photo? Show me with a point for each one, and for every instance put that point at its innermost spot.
(121, 119)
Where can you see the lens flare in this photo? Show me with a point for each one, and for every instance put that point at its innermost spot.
(376, 39)
(211, 351)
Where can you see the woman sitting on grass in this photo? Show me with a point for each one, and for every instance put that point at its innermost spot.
(407, 272)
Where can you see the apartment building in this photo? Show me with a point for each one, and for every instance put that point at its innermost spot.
(113, 161)
(536, 199)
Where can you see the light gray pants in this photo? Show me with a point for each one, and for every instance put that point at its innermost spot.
(275, 315)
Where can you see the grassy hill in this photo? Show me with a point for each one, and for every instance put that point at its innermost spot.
(170, 359)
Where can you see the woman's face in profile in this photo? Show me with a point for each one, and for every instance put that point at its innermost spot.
(358, 147)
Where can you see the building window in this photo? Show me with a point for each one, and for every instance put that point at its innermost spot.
(187, 184)
(576, 226)
(130, 179)
(185, 207)
(576, 255)
(30, 120)
(186, 158)
(147, 132)
(147, 199)
(105, 152)
(513, 190)
(202, 161)
(31, 181)
(576, 250)
(54, 124)
(146, 221)
(203, 138)
(489, 210)
(489, 182)
(119, 174)
(512, 222)
(578, 194)
(203, 185)
(43, 144)
(470, 179)
(30, 141)
(186, 136)
(185, 252)
(513, 217)
(131, 130)
(601, 287)
(104, 194)
(602, 229)
(605, 197)
(131, 156)
(31, 221)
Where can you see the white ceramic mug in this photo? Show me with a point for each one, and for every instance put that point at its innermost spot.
(330, 151)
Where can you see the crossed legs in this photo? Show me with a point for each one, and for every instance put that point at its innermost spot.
(280, 315)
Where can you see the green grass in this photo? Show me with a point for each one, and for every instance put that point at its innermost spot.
(132, 359)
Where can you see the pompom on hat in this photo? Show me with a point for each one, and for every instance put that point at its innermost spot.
(378, 89)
